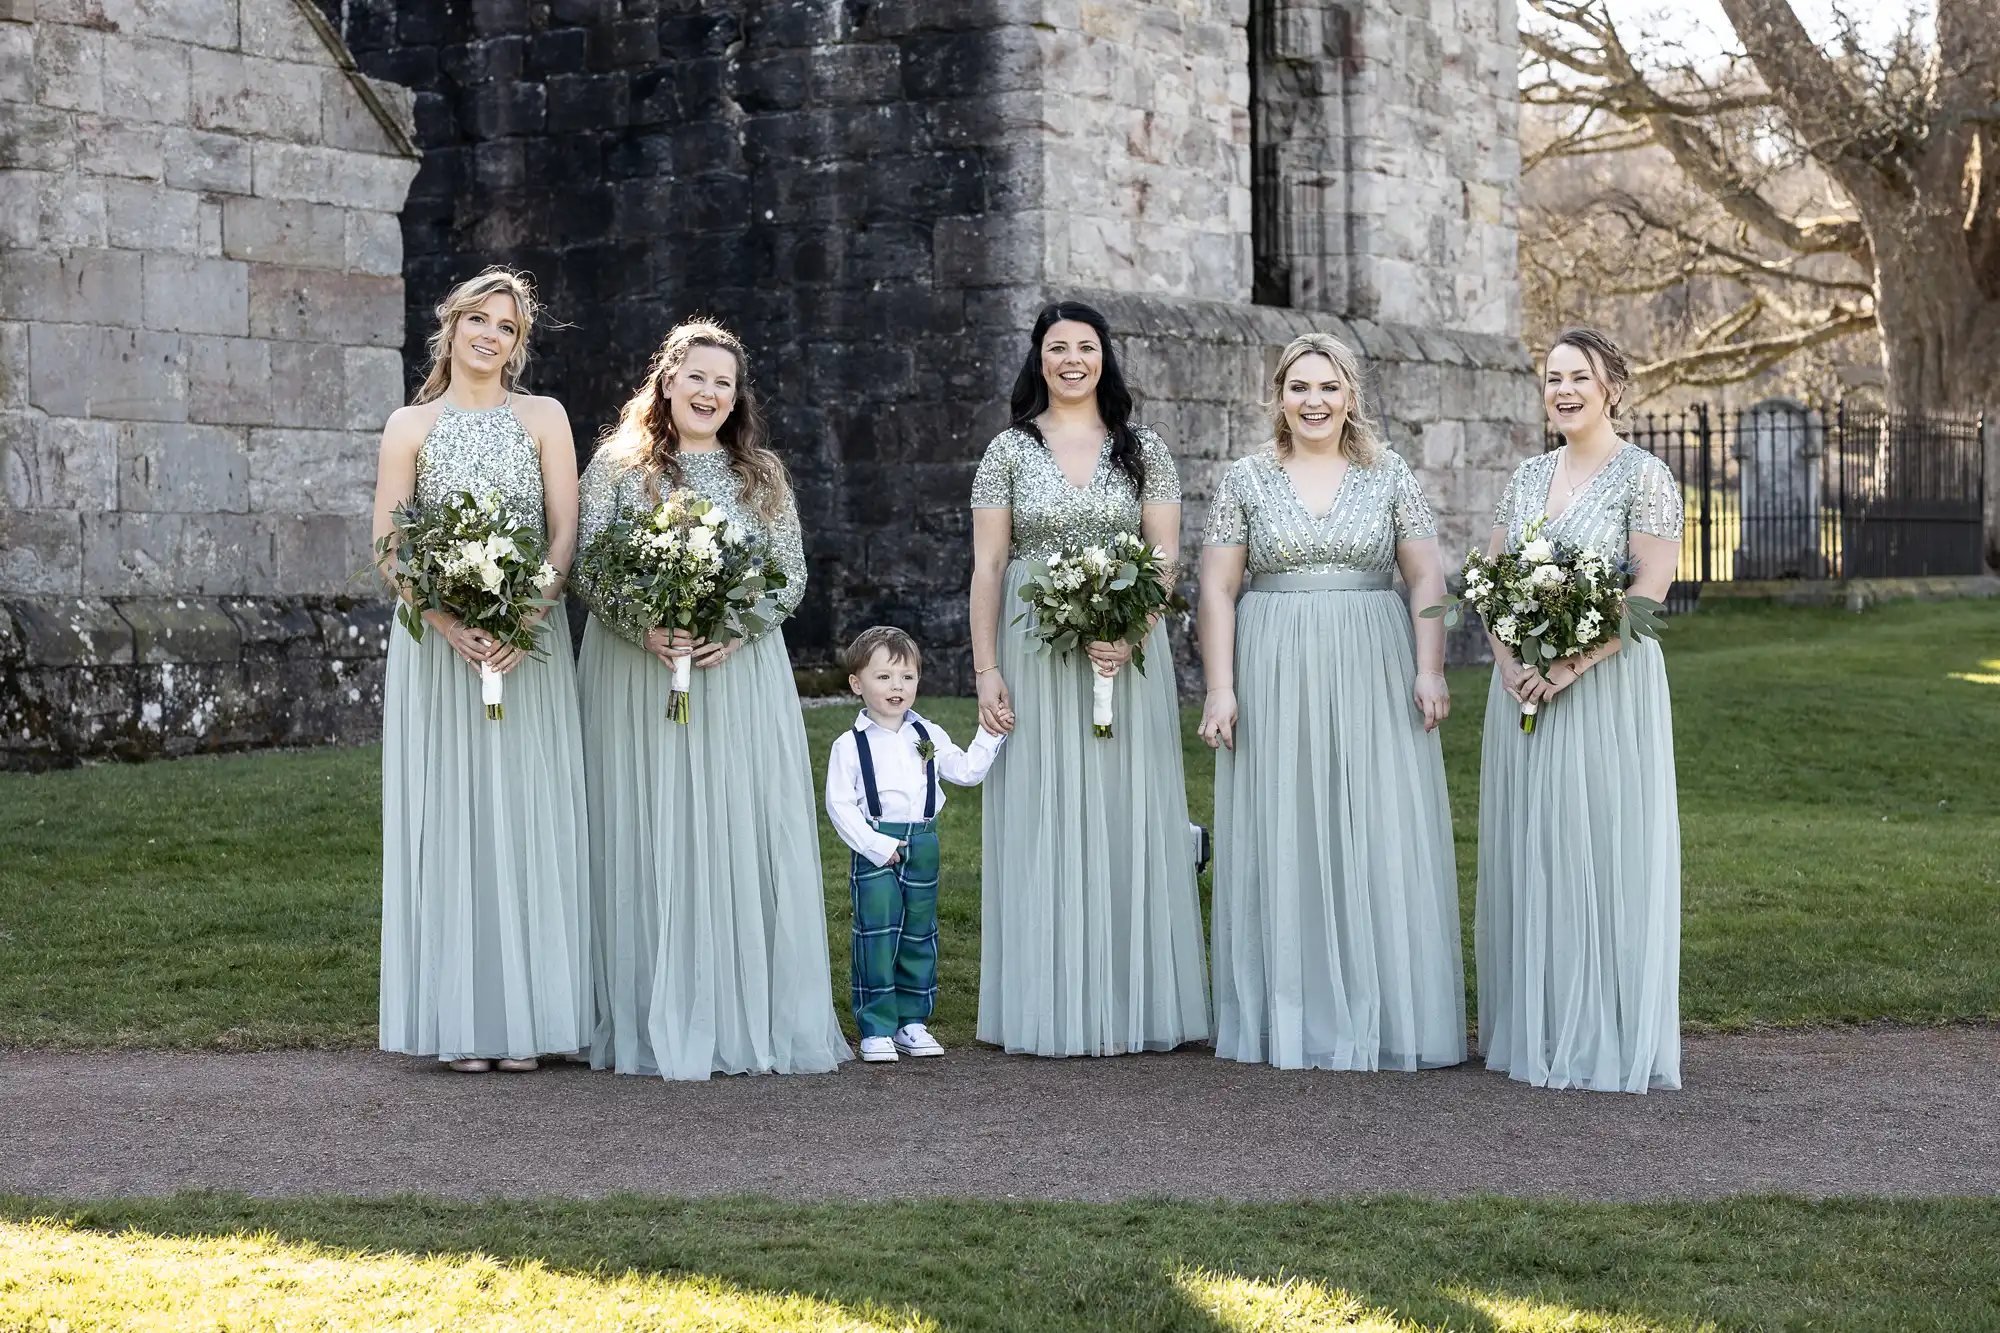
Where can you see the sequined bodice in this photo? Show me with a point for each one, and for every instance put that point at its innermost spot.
(1375, 508)
(609, 491)
(1634, 492)
(1050, 513)
(482, 451)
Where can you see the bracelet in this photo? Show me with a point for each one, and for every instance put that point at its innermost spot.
(977, 672)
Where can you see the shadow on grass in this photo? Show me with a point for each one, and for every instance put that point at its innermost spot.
(1503, 1266)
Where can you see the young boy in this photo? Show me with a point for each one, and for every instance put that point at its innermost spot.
(883, 795)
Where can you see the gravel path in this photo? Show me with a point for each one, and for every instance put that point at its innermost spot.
(1870, 1111)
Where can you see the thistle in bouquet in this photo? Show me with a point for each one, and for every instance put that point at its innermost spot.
(469, 557)
(1550, 599)
(686, 566)
(1099, 594)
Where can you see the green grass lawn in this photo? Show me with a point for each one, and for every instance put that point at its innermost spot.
(1363, 1266)
(1840, 799)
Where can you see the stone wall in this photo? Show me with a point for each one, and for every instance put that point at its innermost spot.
(201, 310)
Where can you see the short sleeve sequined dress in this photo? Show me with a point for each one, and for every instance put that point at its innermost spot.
(704, 837)
(485, 918)
(1336, 941)
(1577, 932)
(1091, 926)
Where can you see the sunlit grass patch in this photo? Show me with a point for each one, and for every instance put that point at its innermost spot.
(53, 1277)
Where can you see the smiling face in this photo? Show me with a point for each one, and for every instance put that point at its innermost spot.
(701, 394)
(1315, 402)
(1072, 362)
(1573, 391)
(887, 685)
(484, 337)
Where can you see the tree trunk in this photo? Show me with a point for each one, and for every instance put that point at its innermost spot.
(1940, 332)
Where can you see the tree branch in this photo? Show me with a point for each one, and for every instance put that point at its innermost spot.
(1734, 362)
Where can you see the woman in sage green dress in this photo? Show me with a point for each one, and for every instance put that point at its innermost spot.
(485, 923)
(1335, 934)
(1091, 927)
(1577, 933)
(704, 840)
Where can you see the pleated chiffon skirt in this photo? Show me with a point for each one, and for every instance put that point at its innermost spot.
(485, 873)
(1091, 939)
(704, 868)
(1577, 933)
(1336, 937)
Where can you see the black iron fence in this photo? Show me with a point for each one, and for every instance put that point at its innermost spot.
(1781, 490)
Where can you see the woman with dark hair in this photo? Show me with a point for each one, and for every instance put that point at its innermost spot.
(704, 841)
(1578, 926)
(1091, 939)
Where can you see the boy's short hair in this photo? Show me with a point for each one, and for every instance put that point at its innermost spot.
(899, 645)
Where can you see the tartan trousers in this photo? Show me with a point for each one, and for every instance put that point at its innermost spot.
(895, 937)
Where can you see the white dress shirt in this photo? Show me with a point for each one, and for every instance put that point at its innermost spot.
(899, 778)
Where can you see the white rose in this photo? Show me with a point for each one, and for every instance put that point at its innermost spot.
(735, 534)
(714, 518)
(490, 575)
(472, 553)
(701, 542)
(1547, 576)
(1538, 552)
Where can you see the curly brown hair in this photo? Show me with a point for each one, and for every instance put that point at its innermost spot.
(644, 436)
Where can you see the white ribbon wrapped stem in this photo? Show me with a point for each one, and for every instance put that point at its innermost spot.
(1100, 701)
(490, 685)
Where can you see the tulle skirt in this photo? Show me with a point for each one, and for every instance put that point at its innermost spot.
(1091, 924)
(1578, 928)
(704, 868)
(1336, 939)
(485, 919)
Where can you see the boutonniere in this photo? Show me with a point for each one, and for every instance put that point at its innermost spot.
(926, 751)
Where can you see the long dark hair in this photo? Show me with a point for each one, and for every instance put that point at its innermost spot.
(1114, 400)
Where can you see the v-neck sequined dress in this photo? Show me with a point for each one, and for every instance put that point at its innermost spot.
(1335, 934)
(1577, 932)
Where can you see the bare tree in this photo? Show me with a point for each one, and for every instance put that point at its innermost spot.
(1904, 237)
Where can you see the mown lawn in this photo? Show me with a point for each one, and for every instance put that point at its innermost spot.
(1840, 798)
(1386, 1265)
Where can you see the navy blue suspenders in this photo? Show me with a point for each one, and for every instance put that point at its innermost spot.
(868, 774)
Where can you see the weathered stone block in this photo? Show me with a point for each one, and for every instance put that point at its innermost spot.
(354, 627)
(13, 364)
(374, 380)
(69, 67)
(21, 209)
(107, 147)
(195, 708)
(152, 555)
(374, 243)
(180, 629)
(130, 375)
(332, 176)
(315, 385)
(72, 632)
(140, 215)
(174, 468)
(281, 32)
(986, 251)
(317, 553)
(301, 305)
(60, 462)
(191, 295)
(17, 59)
(265, 99)
(284, 231)
(196, 160)
(145, 79)
(81, 287)
(347, 121)
(274, 629)
(200, 22)
(36, 139)
(311, 471)
(229, 381)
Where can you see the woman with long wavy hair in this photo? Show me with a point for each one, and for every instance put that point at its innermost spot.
(1336, 893)
(704, 837)
(485, 923)
(1091, 941)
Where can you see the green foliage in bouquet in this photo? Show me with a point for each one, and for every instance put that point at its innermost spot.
(468, 556)
(685, 566)
(1098, 594)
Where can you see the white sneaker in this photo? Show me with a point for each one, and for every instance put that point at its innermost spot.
(914, 1039)
(878, 1050)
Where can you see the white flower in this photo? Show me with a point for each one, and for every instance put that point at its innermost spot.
(490, 575)
(1507, 629)
(491, 503)
(734, 533)
(1096, 559)
(1586, 630)
(500, 548)
(546, 576)
(471, 553)
(701, 542)
(1547, 576)
(1538, 552)
(714, 518)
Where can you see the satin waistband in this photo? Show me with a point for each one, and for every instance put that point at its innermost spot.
(1339, 580)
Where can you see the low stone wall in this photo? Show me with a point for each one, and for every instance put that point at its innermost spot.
(140, 678)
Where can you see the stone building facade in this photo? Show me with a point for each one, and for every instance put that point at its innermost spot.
(879, 194)
(201, 321)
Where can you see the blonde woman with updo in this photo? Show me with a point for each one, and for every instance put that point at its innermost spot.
(485, 923)
(1335, 937)
(704, 836)
(1578, 929)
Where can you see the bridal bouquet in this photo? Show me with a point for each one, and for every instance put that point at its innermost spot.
(685, 565)
(1551, 599)
(1099, 594)
(468, 556)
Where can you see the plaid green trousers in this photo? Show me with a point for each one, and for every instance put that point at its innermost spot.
(894, 965)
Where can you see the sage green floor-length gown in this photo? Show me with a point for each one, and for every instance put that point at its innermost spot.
(1335, 935)
(1091, 925)
(704, 837)
(485, 918)
(1578, 928)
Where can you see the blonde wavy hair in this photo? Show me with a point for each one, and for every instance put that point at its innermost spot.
(644, 437)
(1361, 436)
(469, 296)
